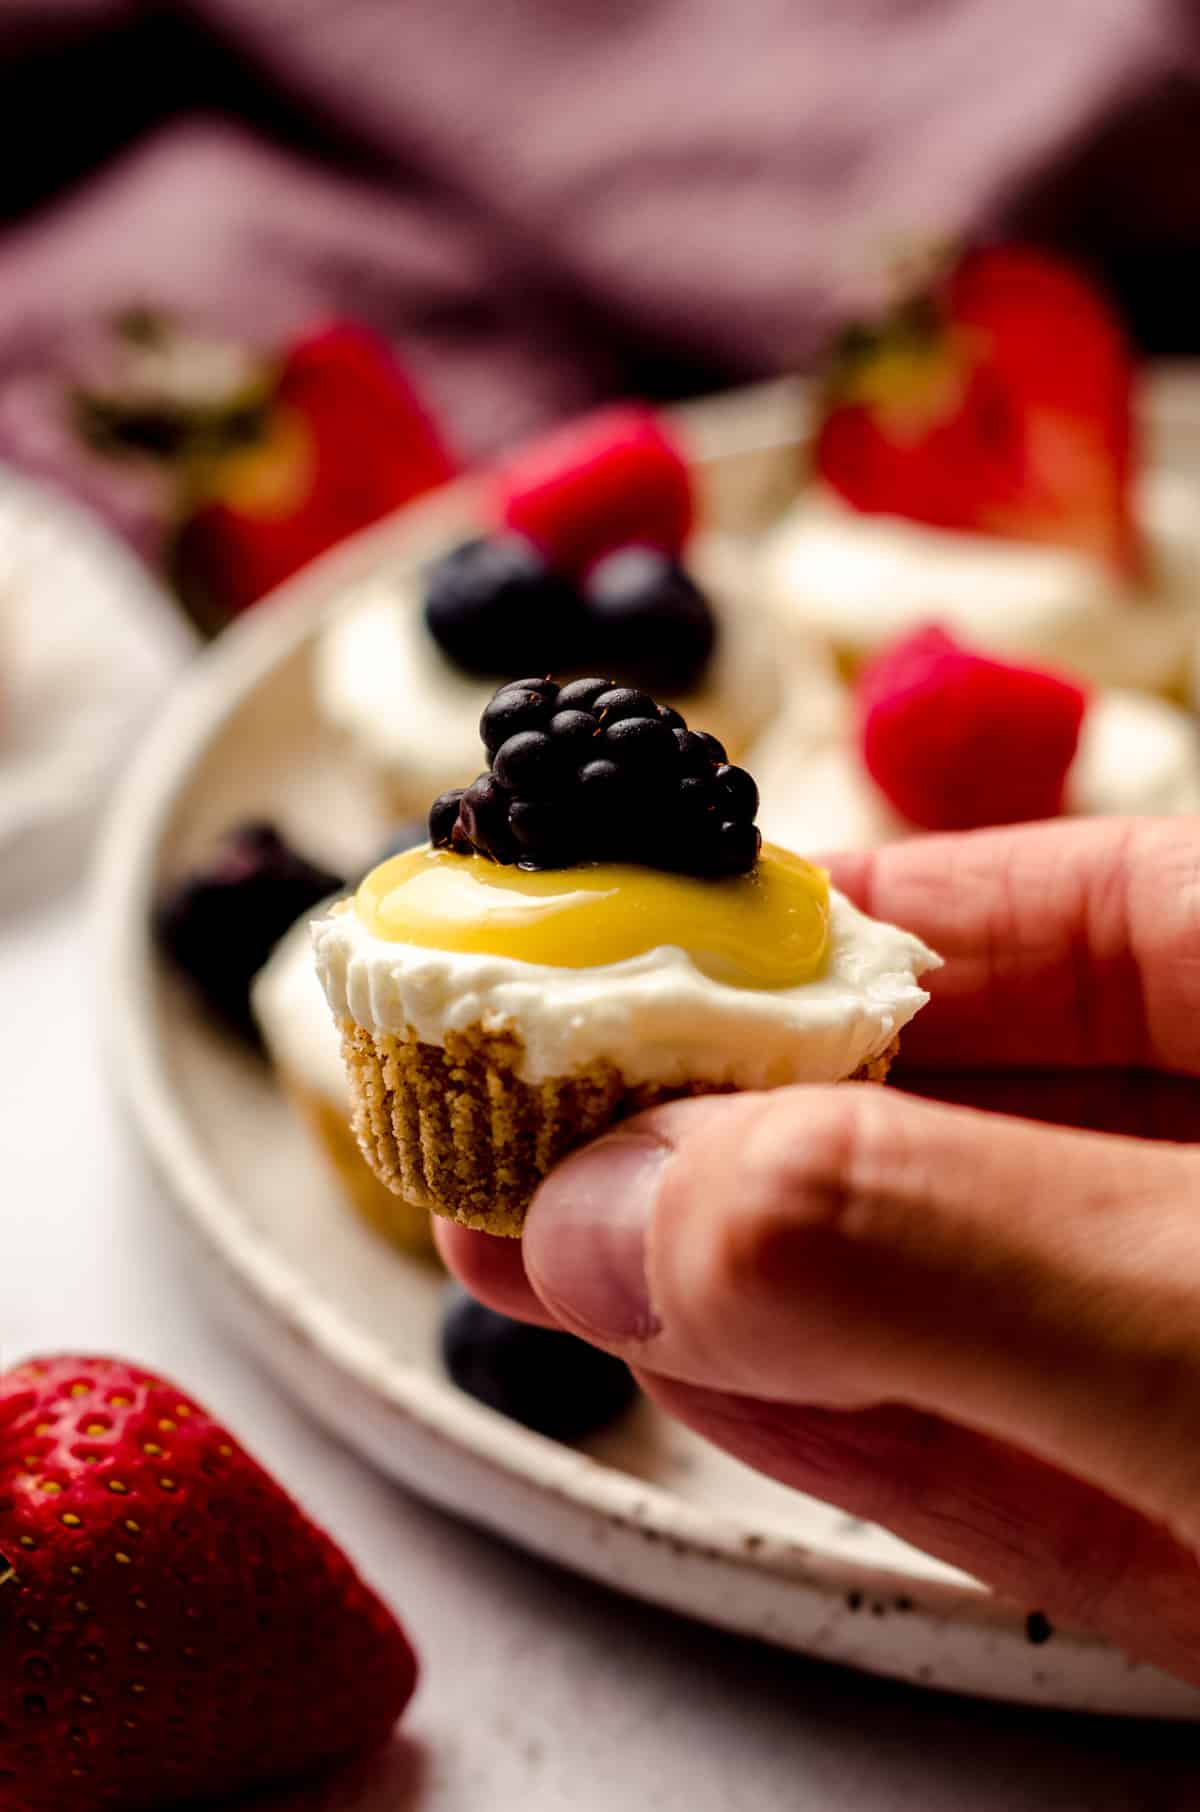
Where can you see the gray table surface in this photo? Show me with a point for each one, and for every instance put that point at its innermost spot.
(539, 1691)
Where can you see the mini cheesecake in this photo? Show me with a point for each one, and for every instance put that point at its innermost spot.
(500, 1001)
(853, 582)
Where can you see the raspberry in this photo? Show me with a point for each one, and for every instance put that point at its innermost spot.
(595, 772)
(610, 479)
(955, 740)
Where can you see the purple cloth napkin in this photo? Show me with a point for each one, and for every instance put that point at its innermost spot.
(548, 201)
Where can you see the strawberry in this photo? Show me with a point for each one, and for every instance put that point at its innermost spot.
(954, 739)
(604, 481)
(171, 1624)
(345, 440)
(999, 402)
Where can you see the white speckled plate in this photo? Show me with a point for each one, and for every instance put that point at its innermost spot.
(350, 1328)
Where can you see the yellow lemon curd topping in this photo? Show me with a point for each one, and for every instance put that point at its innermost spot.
(766, 929)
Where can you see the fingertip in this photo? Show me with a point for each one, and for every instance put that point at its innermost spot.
(492, 1269)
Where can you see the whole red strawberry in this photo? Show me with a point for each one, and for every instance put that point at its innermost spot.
(955, 740)
(606, 480)
(172, 1627)
(346, 440)
(1000, 402)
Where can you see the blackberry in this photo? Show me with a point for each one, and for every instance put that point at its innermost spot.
(443, 816)
(581, 694)
(221, 922)
(494, 606)
(594, 772)
(651, 619)
(546, 1379)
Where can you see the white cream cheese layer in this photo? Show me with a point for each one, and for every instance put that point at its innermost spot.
(1137, 756)
(859, 581)
(656, 1017)
(384, 683)
(298, 1030)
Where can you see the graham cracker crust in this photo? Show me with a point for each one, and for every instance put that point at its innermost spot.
(457, 1131)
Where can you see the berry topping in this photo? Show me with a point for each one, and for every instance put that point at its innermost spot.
(173, 1628)
(617, 778)
(623, 701)
(602, 482)
(998, 402)
(544, 1378)
(521, 705)
(651, 619)
(443, 816)
(493, 606)
(221, 922)
(954, 739)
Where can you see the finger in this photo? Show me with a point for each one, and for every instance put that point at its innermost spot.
(493, 1270)
(1137, 1103)
(1051, 1542)
(845, 1246)
(1065, 943)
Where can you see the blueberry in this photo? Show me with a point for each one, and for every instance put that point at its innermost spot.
(541, 1377)
(650, 618)
(220, 923)
(524, 705)
(494, 606)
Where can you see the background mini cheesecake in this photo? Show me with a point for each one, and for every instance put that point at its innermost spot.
(302, 1043)
(937, 736)
(976, 461)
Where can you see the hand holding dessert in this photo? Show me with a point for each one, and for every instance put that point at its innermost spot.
(975, 1328)
(594, 927)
